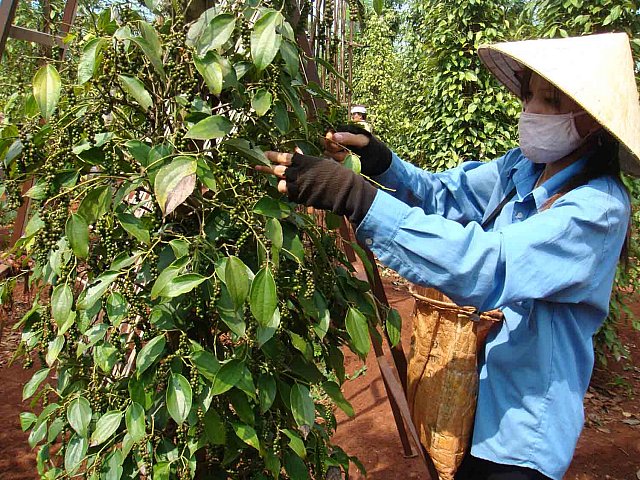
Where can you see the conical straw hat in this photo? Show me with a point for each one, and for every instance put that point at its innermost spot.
(594, 70)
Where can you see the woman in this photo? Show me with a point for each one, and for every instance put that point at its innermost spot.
(536, 233)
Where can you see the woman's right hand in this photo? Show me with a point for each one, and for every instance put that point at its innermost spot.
(375, 156)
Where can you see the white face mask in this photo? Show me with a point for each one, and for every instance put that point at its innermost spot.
(548, 138)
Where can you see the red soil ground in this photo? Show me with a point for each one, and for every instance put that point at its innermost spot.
(609, 447)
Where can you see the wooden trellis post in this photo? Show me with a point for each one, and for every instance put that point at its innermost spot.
(8, 29)
(395, 390)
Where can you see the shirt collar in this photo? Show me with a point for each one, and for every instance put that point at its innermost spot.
(525, 173)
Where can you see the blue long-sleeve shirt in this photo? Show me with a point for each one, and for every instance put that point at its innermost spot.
(549, 270)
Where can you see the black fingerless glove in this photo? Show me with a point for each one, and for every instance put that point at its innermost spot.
(376, 156)
(327, 185)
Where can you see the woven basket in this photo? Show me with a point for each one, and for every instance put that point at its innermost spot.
(442, 375)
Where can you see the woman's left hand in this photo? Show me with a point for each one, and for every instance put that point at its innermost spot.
(321, 183)
(281, 161)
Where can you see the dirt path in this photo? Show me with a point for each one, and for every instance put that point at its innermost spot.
(609, 447)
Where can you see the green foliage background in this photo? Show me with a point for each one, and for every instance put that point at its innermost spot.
(431, 99)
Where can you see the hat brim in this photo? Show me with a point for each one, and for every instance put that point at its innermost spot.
(507, 68)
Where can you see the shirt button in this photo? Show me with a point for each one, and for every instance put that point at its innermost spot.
(519, 215)
(368, 242)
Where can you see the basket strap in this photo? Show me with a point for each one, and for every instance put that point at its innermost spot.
(498, 209)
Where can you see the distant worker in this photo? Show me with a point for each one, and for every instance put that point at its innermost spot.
(359, 115)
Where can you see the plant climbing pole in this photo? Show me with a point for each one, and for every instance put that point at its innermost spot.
(332, 24)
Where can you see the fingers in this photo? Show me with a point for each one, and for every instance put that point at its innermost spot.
(279, 157)
(278, 170)
(340, 140)
(282, 161)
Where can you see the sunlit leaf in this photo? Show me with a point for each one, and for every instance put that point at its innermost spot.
(263, 298)
(134, 87)
(106, 426)
(215, 126)
(77, 231)
(175, 182)
(302, 406)
(149, 353)
(358, 330)
(46, 90)
(179, 397)
(265, 41)
(261, 101)
(79, 415)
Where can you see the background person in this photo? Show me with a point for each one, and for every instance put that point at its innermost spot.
(359, 116)
(547, 257)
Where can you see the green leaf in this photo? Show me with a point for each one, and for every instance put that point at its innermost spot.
(135, 227)
(217, 32)
(88, 61)
(112, 466)
(179, 397)
(263, 298)
(211, 71)
(152, 54)
(333, 390)
(61, 303)
(206, 363)
(358, 330)
(106, 426)
(105, 356)
(175, 182)
(53, 349)
(378, 5)
(214, 428)
(352, 162)
(74, 454)
(237, 280)
(79, 415)
(227, 377)
(289, 52)
(273, 231)
(116, 308)
(265, 41)
(215, 126)
(247, 434)
(135, 421)
(302, 406)
(266, 391)
(134, 87)
(46, 90)
(271, 207)
(264, 333)
(55, 428)
(168, 274)
(295, 467)
(34, 382)
(95, 204)
(139, 150)
(261, 101)
(26, 420)
(151, 37)
(296, 443)
(179, 247)
(394, 326)
(77, 232)
(150, 353)
(181, 284)
(247, 150)
(91, 295)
